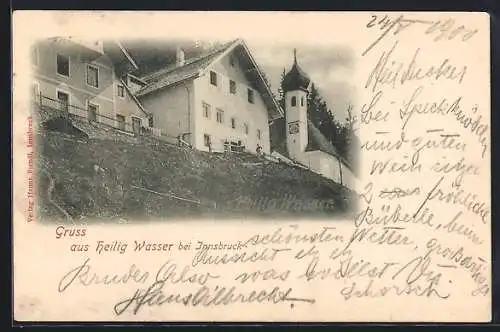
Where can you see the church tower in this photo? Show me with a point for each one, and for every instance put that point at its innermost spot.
(296, 87)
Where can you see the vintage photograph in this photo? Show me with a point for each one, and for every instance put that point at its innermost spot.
(146, 129)
(251, 166)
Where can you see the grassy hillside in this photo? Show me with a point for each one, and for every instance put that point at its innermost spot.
(82, 179)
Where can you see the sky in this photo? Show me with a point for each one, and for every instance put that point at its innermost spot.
(329, 67)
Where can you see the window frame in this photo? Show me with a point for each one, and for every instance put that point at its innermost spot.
(250, 96)
(69, 65)
(118, 122)
(118, 86)
(87, 75)
(214, 76)
(208, 107)
(221, 112)
(206, 142)
(232, 84)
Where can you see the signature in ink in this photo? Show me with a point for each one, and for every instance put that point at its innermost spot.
(203, 296)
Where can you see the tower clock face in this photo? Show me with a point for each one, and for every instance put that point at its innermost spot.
(293, 127)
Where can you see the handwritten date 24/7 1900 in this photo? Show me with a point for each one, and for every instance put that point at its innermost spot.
(441, 29)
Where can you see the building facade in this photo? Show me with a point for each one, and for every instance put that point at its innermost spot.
(87, 79)
(217, 101)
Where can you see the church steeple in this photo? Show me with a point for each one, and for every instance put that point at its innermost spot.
(295, 86)
(296, 78)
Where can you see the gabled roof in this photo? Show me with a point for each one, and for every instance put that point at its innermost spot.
(196, 67)
(316, 140)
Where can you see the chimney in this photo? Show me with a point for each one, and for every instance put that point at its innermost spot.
(179, 57)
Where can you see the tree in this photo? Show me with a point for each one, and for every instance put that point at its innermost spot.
(348, 142)
(281, 92)
(313, 104)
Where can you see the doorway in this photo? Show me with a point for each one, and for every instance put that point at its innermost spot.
(63, 99)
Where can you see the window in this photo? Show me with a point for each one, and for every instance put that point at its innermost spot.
(93, 109)
(294, 101)
(250, 96)
(206, 140)
(220, 116)
(258, 134)
(120, 119)
(213, 78)
(63, 99)
(121, 91)
(232, 87)
(63, 65)
(301, 101)
(233, 123)
(136, 125)
(93, 76)
(246, 128)
(34, 55)
(151, 122)
(206, 110)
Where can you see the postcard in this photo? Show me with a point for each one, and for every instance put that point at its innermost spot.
(251, 166)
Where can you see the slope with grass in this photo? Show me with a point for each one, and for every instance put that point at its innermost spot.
(87, 179)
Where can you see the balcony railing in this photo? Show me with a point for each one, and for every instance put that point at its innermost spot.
(51, 108)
